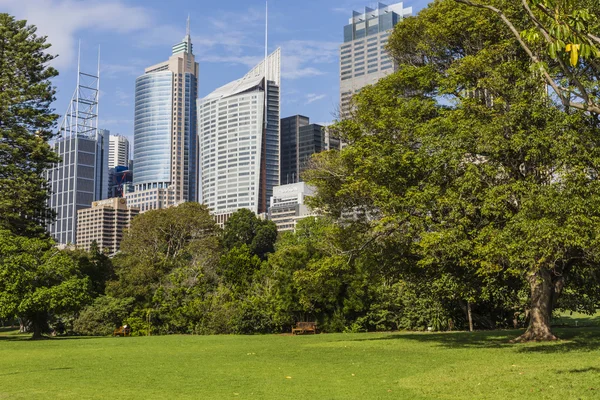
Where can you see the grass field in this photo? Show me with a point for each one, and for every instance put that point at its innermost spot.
(482, 365)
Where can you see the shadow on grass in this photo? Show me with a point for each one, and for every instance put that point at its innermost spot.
(579, 371)
(571, 339)
(27, 337)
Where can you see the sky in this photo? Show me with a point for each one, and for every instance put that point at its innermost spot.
(228, 38)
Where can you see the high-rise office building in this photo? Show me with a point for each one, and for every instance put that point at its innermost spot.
(239, 141)
(299, 141)
(290, 135)
(118, 153)
(165, 132)
(104, 224)
(81, 177)
(363, 57)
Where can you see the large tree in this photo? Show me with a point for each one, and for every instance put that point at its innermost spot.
(38, 280)
(26, 123)
(465, 164)
(159, 242)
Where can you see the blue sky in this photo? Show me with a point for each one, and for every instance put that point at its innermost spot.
(228, 37)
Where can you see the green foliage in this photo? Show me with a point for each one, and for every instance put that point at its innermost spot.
(237, 267)
(26, 123)
(245, 228)
(158, 242)
(37, 280)
(103, 316)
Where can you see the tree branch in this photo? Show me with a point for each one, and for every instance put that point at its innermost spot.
(560, 92)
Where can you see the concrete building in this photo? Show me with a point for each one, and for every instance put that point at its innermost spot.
(288, 205)
(104, 224)
(299, 141)
(118, 151)
(165, 132)
(363, 58)
(239, 141)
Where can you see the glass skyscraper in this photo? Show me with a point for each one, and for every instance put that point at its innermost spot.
(299, 141)
(363, 58)
(238, 130)
(165, 132)
(77, 181)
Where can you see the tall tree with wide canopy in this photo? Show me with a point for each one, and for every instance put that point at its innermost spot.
(26, 123)
(38, 280)
(463, 161)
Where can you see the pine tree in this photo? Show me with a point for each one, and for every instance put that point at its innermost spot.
(26, 126)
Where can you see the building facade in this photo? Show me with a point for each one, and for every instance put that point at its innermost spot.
(288, 205)
(299, 141)
(238, 130)
(76, 182)
(165, 132)
(120, 181)
(104, 224)
(118, 151)
(363, 57)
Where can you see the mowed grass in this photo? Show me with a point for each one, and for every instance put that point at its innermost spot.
(481, 365)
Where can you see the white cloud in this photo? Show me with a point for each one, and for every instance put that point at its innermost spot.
(300, 58)
(312, 97)
(63, 20)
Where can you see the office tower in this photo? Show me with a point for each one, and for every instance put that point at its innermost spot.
(81, 177)
(363, 58)
(288, 205)
(165, 141)
(118, 154)
(104, 224)
(299, 141)
(290, 135)
(239, 141)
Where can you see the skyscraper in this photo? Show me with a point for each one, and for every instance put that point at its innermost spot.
(118, 153)
(81, 177)
(78, 180)
(290, 135)
(239, 141)
(363, 58)
(165, 141)
(299, 141)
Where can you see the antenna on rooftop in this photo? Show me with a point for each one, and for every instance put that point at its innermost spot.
(187, 30)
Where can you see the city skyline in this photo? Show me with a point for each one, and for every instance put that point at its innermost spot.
(229, 39)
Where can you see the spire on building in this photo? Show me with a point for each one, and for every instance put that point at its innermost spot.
(186, 44)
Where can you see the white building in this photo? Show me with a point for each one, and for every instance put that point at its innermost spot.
(363, 57)
(288, 205)
(239, 141)
(118, 151)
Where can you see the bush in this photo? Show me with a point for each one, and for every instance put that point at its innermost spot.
(103, 316)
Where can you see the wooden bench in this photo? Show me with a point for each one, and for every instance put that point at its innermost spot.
(122, 331)
(304, 327)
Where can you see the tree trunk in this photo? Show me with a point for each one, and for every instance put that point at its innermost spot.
(37, 331)
(542, 291)
(470, 316)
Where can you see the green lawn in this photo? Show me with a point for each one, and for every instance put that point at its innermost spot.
(482, 365)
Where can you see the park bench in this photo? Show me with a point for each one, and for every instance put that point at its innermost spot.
(304, 327)
(122, 331)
